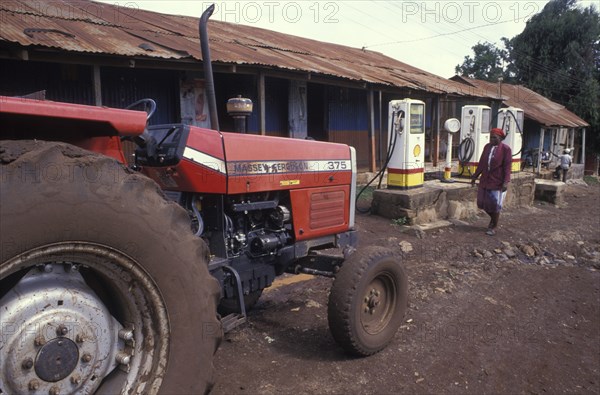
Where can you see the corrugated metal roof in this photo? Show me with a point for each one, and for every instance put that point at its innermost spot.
(90, 27)
(535, 106)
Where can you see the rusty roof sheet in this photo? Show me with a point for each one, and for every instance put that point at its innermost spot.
(535, 106)
(90, 27)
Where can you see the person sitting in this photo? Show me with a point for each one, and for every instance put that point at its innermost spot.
(546, 159)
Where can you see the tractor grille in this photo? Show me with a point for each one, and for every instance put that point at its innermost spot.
(327, 209)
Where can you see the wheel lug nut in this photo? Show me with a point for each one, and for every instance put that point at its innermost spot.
(40, 341)
(366, 309)
(75, 379)
(372, 311)
(126, 334)
(33, 385)
(62, 330)
(123, 358)
(79, 338)
(86, 357)
(54, 390)
(366, 299)
(27, 364)
(69, 267)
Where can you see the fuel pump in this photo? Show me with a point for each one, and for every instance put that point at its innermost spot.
(511, 121)
(474, 135)
(406, 134)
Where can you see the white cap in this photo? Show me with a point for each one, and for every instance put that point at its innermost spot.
(567, 150)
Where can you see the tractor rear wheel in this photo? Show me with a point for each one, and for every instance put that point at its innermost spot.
(103, 287)
(368, 301)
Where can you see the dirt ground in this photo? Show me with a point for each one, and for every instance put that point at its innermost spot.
(514, 313)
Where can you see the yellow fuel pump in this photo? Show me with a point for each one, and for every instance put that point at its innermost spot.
(406, 137)
(474, 135)
(511, 121)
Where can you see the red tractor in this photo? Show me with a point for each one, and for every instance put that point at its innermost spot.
(110, 285)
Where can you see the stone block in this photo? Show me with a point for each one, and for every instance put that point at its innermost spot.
(520, 190)
(550, 191)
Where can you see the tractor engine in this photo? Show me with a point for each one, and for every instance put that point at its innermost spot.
(256, 226)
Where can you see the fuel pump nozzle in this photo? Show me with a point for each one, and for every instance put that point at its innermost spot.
(471, 124)
(398, 119)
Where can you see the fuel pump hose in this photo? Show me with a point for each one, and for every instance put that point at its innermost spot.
(388, 157)
(466, 148)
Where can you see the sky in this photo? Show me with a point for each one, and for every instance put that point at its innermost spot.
(432, 35)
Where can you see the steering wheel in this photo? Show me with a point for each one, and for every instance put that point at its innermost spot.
(149, 106)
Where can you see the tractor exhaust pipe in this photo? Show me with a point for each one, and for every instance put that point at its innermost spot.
(207, 65)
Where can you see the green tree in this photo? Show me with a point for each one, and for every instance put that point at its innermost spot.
(558, 56)
(487, 63)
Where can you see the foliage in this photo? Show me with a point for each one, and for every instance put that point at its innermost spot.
(400, 221)
(487, 64)
(558, 56)
(367, 193)
(591, 180)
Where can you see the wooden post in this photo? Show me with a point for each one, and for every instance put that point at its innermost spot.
(540, 150)
(372, 153)
(574, 151)
(382, 133)
(553, 143)
(435, 124)
(97, 85)
(583, 147)
(261, 104)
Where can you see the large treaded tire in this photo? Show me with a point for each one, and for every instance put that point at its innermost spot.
(55, 196)
(368, 301)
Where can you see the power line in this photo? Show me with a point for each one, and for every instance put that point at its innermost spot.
(438, 35)
(533, 64)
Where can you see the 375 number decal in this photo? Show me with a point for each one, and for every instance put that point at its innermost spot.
(337, 165)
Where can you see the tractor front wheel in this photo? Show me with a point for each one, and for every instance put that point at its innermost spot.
(368, 301)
